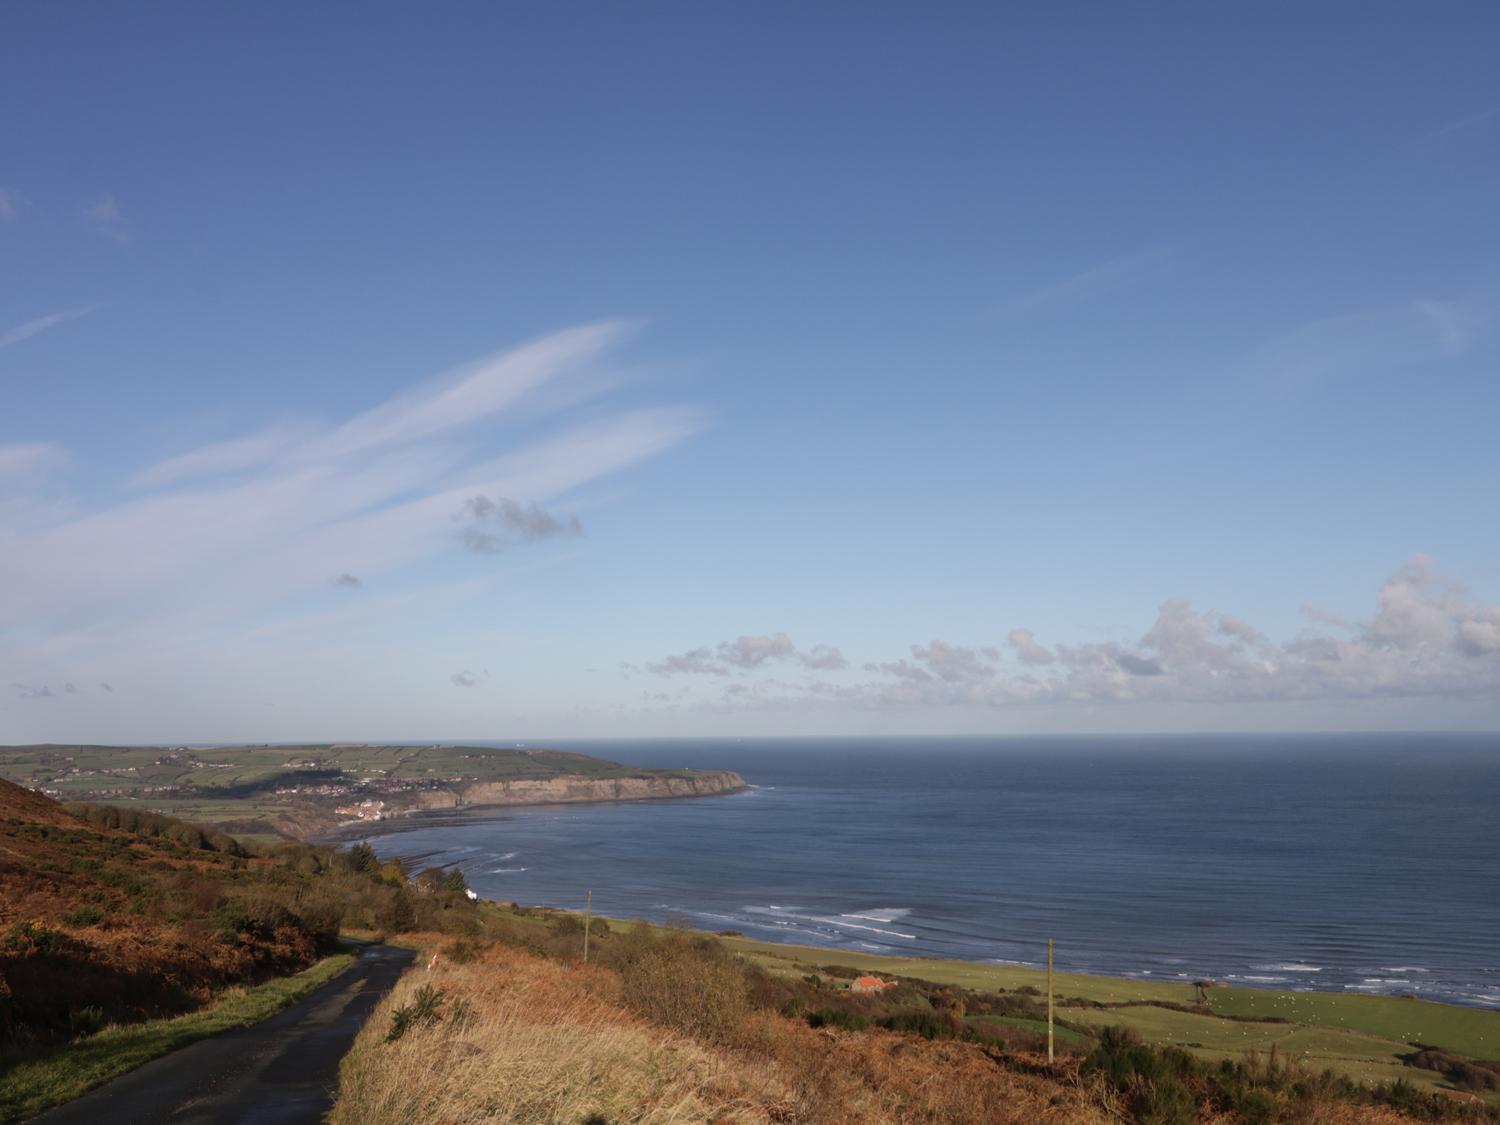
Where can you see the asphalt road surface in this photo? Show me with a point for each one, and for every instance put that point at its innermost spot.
(281, 1071)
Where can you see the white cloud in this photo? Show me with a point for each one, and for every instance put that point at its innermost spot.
(10, 205)
(29, 459)
(105, 217)
(747, 653)
(1028, 651)
(32, 327)
(1093, 282)
(1418, 331)
(1427, 637)
(223, 457)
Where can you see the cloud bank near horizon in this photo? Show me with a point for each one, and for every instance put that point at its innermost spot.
(1427, 637)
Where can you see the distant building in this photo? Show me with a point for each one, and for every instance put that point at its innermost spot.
(870, 985)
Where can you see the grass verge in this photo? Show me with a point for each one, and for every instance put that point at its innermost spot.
(34, 1082)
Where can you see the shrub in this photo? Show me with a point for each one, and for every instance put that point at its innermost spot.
(358, 860)
(89, 914)
(687, 986)
(322, 913)
(396, 912)
(929, 1025)
(463, 951)
(425, 1010)
(86, 1020)
(1257, 1107)
(30, 937)
(1149, 1079)
(838, 1017)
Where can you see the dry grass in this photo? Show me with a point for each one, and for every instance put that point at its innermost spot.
(545, 1044)
(550, 1043)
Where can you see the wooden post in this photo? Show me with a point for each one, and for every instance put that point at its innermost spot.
(1050, 1055)
(588, 918)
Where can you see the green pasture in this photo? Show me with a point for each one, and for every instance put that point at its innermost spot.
(1468, 1031)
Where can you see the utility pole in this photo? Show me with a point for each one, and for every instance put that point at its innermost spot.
(1050, 1055)
(588, 918)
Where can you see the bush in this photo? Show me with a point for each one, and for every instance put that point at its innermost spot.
(30, 937)
(86, 1020)
(692, 987)
(425, 1010)
(463, 951)
(89, 914)
(396, 912)
(838, 1017)
(929, 1025)
(1149, 1079)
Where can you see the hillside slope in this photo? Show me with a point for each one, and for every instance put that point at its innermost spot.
(99, 924)
(111, 915)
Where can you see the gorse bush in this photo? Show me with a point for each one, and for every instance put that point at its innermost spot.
(89, 914)
(693, 986)
(1474, 1075)
(424, 1010)
(838, 1017)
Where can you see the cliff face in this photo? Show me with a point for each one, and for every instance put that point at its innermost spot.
(546, 791)
(311, 821)
(564, 790)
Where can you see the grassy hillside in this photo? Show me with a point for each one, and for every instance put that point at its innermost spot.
(293, 790)
(1367, 1040)
(671, 1026)
(112, 917)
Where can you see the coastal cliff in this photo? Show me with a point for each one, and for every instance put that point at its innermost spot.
(555, 790)
(469, 794)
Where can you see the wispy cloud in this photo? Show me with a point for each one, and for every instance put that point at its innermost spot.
(32, 327)
(29, 459)
(1094, 282)
(1421, 330)
(104, 215)
(1468, 121)
(220, 458)
(10, 205)
(232, 532)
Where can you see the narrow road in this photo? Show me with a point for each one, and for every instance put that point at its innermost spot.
(281, 1071)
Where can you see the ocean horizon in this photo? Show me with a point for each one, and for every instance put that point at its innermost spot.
(1331, 862)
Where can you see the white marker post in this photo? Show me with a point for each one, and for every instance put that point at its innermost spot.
(588, 918)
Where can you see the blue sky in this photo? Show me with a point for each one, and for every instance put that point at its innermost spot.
(369, 371)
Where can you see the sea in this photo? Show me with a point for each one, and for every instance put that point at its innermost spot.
(1358, 863)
